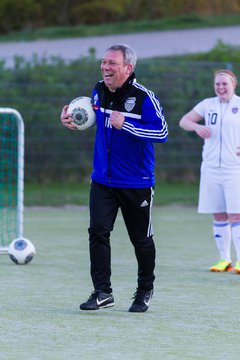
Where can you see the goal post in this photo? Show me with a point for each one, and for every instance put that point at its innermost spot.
(11, 176)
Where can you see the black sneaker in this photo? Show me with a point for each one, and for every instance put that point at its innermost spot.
(141, 301)
(98, 300)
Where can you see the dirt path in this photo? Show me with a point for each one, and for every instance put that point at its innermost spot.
(147, 45)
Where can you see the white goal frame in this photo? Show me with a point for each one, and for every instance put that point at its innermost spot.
(20, 173)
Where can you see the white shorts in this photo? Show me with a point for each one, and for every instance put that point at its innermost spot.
(219, 190)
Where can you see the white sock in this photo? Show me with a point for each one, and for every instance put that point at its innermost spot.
(222, 235)
(236, 238)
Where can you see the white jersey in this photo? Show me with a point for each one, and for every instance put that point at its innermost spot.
(224, 121)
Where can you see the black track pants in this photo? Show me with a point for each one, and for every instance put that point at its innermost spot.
(136, 205)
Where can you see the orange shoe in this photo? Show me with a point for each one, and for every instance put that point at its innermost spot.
(237, 267)
(223, 265)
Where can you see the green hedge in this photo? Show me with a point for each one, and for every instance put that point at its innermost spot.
(39, 89)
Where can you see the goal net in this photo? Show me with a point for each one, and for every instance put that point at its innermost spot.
(11, 176)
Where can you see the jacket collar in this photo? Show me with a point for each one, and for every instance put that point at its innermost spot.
(123, 90)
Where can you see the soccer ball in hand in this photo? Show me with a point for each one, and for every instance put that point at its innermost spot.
(82, 113)
(21, 251)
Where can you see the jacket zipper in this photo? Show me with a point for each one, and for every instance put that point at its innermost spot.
(109, 163)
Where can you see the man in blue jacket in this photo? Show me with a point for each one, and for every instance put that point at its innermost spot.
(129, 120)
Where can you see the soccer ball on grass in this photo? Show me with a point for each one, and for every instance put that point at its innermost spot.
(21, 251)
(82, 113)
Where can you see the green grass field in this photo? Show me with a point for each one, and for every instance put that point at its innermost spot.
(194, 313)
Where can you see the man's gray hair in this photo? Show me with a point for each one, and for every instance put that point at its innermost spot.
(129, 55)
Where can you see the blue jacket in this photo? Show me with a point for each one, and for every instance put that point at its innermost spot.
(125, 158)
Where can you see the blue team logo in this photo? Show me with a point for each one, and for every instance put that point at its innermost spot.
(95, 101)
(130, 103)
(234, 110)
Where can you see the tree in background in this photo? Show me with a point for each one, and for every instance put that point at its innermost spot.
(18, 15)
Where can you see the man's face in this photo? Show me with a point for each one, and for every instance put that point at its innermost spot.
(114, 71)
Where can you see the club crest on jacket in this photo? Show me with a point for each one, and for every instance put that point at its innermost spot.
(130, 103)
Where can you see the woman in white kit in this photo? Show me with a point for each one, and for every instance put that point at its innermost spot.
(219, 192)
